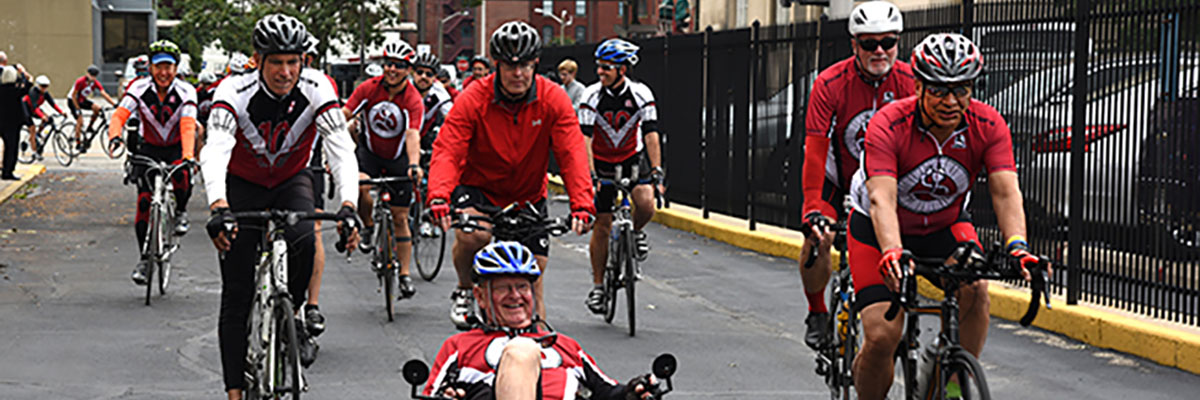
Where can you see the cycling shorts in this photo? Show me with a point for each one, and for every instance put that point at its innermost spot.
(84, 105)
(319, 177)
(607, 195)
(376, 167)
(864, 253)
(470, 196)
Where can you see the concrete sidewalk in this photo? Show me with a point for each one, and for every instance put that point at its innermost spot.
(1166, 343)
(26, 172)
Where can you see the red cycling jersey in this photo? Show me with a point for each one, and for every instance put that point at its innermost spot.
(388, 116)
(841, 103)
(933, 179)
(84, 87)
(566, 368)
(504, 148)
(34, 101)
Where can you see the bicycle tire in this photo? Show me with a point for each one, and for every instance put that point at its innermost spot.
(962, 365)
(64, 148)
(611, 280)
(152, 248)
(429, 243)
(25, 150)
(288, 372)
(905, 376)
(166, 234)
(630, 281)
(385, 258)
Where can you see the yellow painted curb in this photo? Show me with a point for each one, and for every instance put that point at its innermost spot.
(27, 172)
(1160, 342)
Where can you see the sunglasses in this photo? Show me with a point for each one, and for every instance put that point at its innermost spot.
(396, 64)
(941, 91)
(871, 44)
(607, 67)
(425, 72)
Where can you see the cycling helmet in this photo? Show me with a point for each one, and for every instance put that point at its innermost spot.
(506, 258)
(443, 74)
(876, 17)
(162, 48)
(374, 70)
(279, 33)
(427, 60)
(207, 77)
(93, 70)
(42, 80)
(618, 51)
(945, 58)
(515, 41)
(481, 60)
(237, 63)
(398, 49)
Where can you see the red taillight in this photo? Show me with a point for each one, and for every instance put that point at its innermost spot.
(387, 196)
(1059, 140)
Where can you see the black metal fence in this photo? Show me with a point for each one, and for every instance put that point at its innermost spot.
(1109, 162)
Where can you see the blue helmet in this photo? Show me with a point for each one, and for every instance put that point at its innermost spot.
(506, 258)
(618, 51)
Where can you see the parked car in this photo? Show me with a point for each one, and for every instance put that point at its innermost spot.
(1168, 180)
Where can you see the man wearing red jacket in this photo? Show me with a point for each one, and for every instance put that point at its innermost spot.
(494, 148)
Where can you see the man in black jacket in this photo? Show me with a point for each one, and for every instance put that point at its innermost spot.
(13, 85)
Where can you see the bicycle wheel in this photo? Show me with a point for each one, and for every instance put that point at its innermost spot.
(429, 243)
(612, 280)
(25, 150)
(961, 377)
(152, 248)
(850, 342)
(630, 279)
(905, 376)
(64, 148)
(384, 256)
(287, 382)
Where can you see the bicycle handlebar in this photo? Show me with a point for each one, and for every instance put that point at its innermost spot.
(416, 373)
(290, 217)
(512, 223)
(153, 165)
(968, 265)
(385, 180)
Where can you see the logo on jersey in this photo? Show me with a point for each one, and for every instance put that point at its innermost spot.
(386, 120)
(888, 97)
(550, 357)
(932, 185)
(960, 142)
(856, 133)
(537, 122)
(622, 119)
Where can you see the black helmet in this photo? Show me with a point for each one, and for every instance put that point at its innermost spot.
(443, 74)
(279, 33)
(481, 60)
(515, 41)
(93, 70)
(427, 60)
(945, 58)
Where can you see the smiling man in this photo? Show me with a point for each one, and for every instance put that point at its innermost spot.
(843, 99)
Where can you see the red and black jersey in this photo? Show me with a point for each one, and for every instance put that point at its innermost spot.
(387, 116)
(37, 97)
(621, 116)
(933, 179)
(566, 367)
(503, 148)
(160, 116)
(842, 102)
(85, 87)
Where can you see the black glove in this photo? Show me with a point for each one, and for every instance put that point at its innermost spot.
(631, 387)
(222, 220)
(814, 218)
(657, 176)
(348, 215)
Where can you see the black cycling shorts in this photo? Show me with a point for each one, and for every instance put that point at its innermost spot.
(607, 195)
(84, 105)
(470, 196)
(375, 166)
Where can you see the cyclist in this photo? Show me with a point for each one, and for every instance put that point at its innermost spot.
(623, 112)
(260, 138)
(167, 106)
(437, 100)
(494, 149)
(204, 97)
(843, 99)
(920, 160)
(39, 94)
(480, 68)
(443, 76)
(390, 146)
(314, 320)
(77, 101)
(500, 359)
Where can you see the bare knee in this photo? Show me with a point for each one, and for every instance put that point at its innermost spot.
(521, 352)
(880, 336)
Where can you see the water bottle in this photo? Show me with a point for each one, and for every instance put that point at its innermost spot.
(925, 367)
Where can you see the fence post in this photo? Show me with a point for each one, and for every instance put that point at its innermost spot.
(755, 75)
(662, 137)
(707, 127)
(1078, 139)
(968, 17)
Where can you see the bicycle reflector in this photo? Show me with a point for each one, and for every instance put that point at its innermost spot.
(387, 196)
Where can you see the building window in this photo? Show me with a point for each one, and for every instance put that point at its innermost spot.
(643, 9)
(621, 10)
(467, 32)
(547, 33)
(580, 7)
(580, 34)
(125, 35)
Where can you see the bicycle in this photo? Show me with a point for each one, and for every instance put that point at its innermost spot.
(835, 359)
(416, 373)
(621, 271)
(383, 259)
(47, 132)
(161, 240)
(70, 148)
(945, 361)
(428, 238)
(273, 367)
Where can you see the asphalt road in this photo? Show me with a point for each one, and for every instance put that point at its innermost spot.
(75, 327)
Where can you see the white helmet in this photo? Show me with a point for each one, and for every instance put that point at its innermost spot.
(876, 17)
(207, 77)
(374, 70)
(237, 63)
(42, 80)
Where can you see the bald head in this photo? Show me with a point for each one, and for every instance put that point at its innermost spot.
(3, 58)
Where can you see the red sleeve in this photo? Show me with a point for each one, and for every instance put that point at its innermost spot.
(52, 103)
(453, 92)
(449, 347)
(356, 98)
(416, 107)
(879, 147)
(817, 122)
(999, 153)
(570, 151)
(450, 148)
